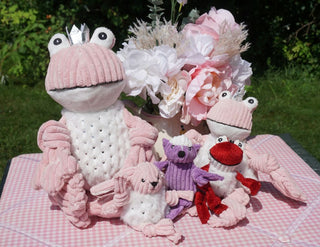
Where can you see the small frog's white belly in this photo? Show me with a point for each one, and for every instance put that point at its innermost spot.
(226, 186)
(100, 142)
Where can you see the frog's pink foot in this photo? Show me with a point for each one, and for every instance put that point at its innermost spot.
(284, 182)
(72, 200)
(240, 196)
(104, 209)
(236, 211)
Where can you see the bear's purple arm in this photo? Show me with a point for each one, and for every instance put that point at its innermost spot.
(201, 177)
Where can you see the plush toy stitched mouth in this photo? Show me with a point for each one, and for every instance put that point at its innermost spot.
(227, 124)
(90, 86)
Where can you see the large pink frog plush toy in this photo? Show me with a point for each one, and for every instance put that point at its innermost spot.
(96, 136)
(233, 119)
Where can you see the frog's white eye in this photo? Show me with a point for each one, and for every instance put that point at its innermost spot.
(104, 37)
(221, 139)
(251, 103)
(239, 144)
(57, 42)
(225, 95)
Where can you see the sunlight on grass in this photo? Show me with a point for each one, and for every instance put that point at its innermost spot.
(23, 110)
(288, 103)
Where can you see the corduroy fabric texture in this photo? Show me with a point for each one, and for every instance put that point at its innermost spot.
(82, 66)
(230, 112)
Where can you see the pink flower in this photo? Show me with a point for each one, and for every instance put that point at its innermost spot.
(207, 81)
(214, 24)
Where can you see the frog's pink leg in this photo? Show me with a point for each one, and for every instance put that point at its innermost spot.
(164, 227)
(57, 173)
(235, 212)
(72, 200)
(142, 137)
(280, 177)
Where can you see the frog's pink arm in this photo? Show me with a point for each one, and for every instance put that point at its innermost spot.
(280, 177)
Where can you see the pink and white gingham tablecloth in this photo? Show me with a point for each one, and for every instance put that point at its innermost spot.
(27, 218)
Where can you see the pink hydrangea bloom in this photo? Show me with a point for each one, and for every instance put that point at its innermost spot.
(207, 82)
(212, 22)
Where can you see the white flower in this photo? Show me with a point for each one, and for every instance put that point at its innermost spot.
(173, 99)
(148, 70)
(172, 62)
(241, 70)
(183, 2)
(197, 48)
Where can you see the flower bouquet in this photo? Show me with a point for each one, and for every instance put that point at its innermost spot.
(177, 69)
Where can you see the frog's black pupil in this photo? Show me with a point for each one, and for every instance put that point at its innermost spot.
(57, 41)
(251, 101)
(102, 36)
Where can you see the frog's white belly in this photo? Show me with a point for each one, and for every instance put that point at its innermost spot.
(100, 142)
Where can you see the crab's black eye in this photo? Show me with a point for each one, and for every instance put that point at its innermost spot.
(142, 180)
(224, 94)
(189, 148)
(240, 144)
(251, 101)
(172, 146)
(102, 36)
(220, 139)
(57, 41)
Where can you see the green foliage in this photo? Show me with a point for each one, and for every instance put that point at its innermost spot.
(288, 103)
(280, 32)
(21, 42)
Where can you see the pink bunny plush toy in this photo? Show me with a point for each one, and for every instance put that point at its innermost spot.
(141, 201)
(96, 136)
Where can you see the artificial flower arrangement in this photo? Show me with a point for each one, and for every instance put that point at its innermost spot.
(182, 68)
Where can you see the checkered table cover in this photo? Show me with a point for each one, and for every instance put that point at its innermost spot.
(28, 219)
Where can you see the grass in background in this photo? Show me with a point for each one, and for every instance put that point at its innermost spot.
(22, 111)
(289, 102)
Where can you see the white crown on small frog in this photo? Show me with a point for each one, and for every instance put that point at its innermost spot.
(78, 36)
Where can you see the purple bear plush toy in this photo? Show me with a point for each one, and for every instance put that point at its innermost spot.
(180, 172)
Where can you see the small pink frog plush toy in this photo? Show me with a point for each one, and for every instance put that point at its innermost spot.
(180, 172)
(233, 119)
(141, 201)
(96, 136)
